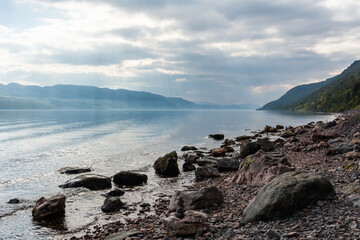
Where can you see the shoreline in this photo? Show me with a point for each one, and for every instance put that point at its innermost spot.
(332, 219)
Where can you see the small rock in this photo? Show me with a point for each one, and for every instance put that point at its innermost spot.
(218, 152)
(167, 166)
(188, 167)
(273, 235)
(188, 148)
(206, 172)
(127, 178)
(217, 136)
(112, 204)
(14, 201)
(114, 193)
(50, 208)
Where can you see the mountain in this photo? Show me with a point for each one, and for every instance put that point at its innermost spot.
(336, 94)
(16, 96)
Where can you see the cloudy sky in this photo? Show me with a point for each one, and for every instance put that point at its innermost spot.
(226, 52)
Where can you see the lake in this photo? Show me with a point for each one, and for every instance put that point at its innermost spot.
(34, 145)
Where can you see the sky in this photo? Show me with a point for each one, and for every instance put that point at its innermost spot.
(224, 52)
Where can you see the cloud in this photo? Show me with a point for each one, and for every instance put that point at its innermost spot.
(220, 51)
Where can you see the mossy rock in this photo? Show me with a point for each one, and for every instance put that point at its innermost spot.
(167, 166)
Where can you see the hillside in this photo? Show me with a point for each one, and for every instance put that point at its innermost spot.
(337, 96)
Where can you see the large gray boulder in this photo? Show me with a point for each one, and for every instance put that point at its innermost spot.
(127, 178)
(89, 181)
(286, 193)
(167, 165)
(261, 168)
(50, 208)
(204, 198)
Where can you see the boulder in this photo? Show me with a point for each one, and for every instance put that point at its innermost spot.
(227, 164)
(279, 127)
(318, 136)
(206, 172)
(188, 148)
(167, 166)
(218, 152)
(192, 222)
(247, 148)
(47, 209)
(74, 170)
(90, 181)
(265, 144)
(242, 138)
(229, 142)
(329, 125)
(206, 197)
(269, 129)
(217, 136)
(188, 167)
(127, 178)
(287, 193)
(261, 168)
(14, 201)
(323, 144)
(345, 147)
(191, 159)
(114, 193)
(206, 162)
(112, 204)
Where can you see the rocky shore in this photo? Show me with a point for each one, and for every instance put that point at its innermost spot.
(326, 154)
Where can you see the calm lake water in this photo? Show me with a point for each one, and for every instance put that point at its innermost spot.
(34, 145)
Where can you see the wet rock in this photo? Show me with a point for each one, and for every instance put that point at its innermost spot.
(188, 226)
(74, 170)
(127, 178)
(217, 136)
(270, 129)
(14, 201)
(123, 235)
(191, 159)
(345, 147)
(218, 152)
(188, 148)
(242, 138)
(90, 181)
(206, 162)
(48, 209)
(229, 142)
(188, 167)
(112, 204)
(247, 148)
(261, 168)
(227, 164)
(204, 198)
(286, 193)
(114, 193)
(279, 127)
(265, 144)
(329, 125)
(167, 166)
(228, 148)
(206, 172)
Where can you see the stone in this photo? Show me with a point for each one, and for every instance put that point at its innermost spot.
(279, 127)
(191, 159)
(128, 178)
(329, 125)
(188, 167)
(323, 144)
(167, 166)
(89, 181)
(227, 164)
(218, 152)
(287, 134)
(269, 129)
(206, 172)
(74, 170)
(192, 222)
(345, 147)
(330, 152)
(204, 198)
(261, 168)
(229, 142)
(265, 144)
(352, 155)
(123, 235)
(112, 204)
(247, 148)
(114, 193)
(14, 201)
(242, 138)
(318, 137)
(352, 188)
(286, 193)
(188, 148)
(206, 162)
(273, 235)
(217, 136)
(48, 209)
(335, 140)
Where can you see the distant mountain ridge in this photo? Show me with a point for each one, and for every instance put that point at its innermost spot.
(336, 94)
(17, 96)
